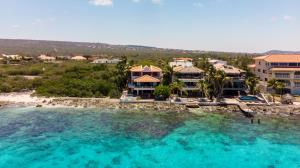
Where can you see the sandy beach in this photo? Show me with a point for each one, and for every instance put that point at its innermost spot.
(23, 98)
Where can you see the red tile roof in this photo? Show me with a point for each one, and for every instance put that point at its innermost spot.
(146, 79)
(291, 58)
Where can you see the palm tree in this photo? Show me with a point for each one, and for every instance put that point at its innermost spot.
(201, 86)
(176, 87)
(168, 74)
(280, 87)
(252, 82)
(276, 86)
(220, 79)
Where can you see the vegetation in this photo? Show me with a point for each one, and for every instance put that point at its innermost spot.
(71, 79)
(213, 84)
(176, 87)
(122, 72)
(162, 92)
(277, 86)
(252, 82)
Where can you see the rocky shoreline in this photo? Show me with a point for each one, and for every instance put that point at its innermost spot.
(276, 111)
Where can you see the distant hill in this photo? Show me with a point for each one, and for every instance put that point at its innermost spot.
(37, 47)
(282, 52)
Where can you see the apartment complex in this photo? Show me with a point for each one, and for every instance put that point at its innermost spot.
(282, 67)
(143, 80)
(237, 76)
(189, 76)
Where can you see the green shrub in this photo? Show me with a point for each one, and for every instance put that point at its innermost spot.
(162, 92)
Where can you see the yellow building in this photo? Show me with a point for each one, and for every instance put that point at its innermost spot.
(282, 67)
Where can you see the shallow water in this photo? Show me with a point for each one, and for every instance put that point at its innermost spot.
(31, 137)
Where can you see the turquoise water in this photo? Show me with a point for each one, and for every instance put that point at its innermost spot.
(42, 138)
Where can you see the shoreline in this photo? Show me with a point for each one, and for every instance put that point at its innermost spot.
(25, 99)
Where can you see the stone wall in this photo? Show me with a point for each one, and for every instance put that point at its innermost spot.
(156, 106)
(228, 108)
(115, 103)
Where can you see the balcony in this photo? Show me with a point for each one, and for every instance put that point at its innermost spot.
(142, 87)
(282, 76)
(297, 76)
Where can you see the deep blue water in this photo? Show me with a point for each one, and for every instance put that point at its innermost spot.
(42, 138)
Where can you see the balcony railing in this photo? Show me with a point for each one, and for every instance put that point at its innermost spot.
(297, 76)
(141, 86)
(282, 76)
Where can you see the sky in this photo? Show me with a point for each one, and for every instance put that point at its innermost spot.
(213, 25)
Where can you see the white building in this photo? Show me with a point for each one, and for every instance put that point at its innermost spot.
(106, 61)
(214, 61)
(79, 58)
(183, 62)
(46, 58)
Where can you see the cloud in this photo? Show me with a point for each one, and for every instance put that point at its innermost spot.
(101, 2)
(198, 4)
(282, 18)
(287, 18)
(273, 19)
(16, 26)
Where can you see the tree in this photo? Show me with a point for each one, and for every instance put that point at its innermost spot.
(203, 63)
(122, 73)
(176, 87)
(168, 74)
(214, 82)
(202, 87)
(219, 79)
(252, 82)
(277, 86)
(162, 92)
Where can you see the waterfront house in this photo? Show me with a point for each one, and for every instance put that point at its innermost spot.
(46, 58)
(143, 80)
(183, 62)
(189, 76)
(237, 76)
(79, 58)
(282, 67)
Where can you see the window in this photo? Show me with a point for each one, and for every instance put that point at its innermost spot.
(264, 71)
(293, 64)
(266, 79)
(258, 70)
(135, 74)
(274, 64)
(283, 64)
(282, 75)
(259, 62)
(297, 84)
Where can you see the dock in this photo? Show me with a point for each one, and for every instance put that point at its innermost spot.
(246, 110)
